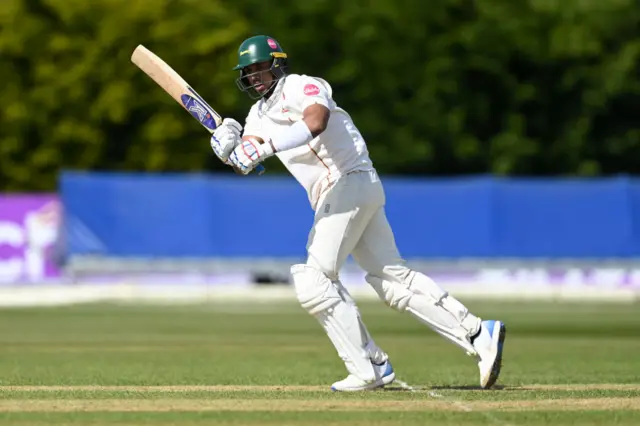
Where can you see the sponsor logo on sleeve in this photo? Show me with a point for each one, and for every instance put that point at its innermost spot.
(311, 90)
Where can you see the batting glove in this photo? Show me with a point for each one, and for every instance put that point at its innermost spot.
(246, 156)
(225, 138)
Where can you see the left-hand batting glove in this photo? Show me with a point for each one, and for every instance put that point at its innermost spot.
(225, 138)
(246, 156)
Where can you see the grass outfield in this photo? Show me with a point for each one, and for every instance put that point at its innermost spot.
(565, 364)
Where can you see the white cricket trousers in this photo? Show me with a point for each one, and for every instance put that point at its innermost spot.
(351, 220)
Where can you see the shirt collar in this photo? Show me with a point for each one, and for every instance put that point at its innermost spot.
(265, 104)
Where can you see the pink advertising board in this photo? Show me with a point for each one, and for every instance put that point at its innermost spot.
(29, 229)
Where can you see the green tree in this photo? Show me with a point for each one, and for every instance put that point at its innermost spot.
(461, 86)
(529, 87)
(73, 99)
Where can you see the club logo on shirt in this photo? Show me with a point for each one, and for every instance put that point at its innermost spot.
(311, 90)
(272, 43)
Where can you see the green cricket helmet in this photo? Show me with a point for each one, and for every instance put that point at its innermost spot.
(256, 50)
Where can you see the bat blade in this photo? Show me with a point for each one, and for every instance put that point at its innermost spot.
(172, 83)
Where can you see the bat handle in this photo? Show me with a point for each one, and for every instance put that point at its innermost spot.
(259, 168)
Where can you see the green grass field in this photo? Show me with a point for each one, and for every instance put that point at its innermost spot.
(565, 364)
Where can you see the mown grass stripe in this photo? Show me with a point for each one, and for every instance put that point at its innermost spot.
(168, 405)
(300, 388)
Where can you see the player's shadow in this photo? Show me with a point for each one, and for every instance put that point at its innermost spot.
(466, 387)
(435, 388)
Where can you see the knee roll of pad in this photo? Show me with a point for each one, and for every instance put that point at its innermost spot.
(422, 284)
(314, 290)
(396, 295)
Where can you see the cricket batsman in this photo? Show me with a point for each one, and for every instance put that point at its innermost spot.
(296, 119)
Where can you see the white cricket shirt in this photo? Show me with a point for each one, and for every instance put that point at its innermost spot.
(339, 150)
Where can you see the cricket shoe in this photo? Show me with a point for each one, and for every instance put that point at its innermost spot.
(384, 376)
(489, 344)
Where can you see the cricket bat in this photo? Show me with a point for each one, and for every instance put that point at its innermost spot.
(179, 89)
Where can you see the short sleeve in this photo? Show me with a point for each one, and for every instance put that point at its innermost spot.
(313, 91)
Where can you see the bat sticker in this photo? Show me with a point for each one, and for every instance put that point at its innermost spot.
(199, 110)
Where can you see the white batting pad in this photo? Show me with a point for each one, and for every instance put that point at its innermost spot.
(433, 306)
(341, 320)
